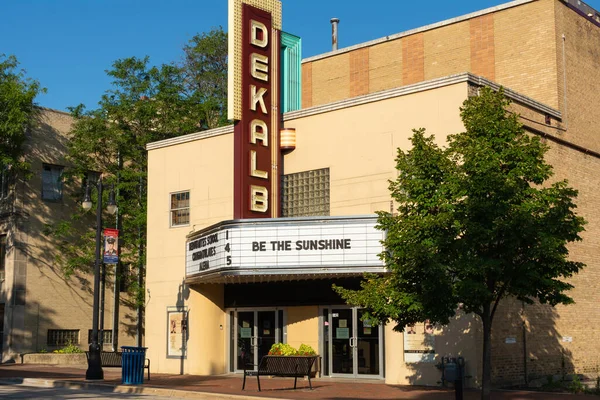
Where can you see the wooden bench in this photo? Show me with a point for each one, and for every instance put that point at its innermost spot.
(283, 366)
(115, 359)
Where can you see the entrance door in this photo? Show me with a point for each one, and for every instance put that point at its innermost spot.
(253, 332)
(354, 346)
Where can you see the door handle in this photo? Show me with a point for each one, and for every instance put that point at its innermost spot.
(253, 341)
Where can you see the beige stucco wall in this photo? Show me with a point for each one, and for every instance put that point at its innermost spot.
(455, 339)
(359, 144)
(303, 326)
(205, 168)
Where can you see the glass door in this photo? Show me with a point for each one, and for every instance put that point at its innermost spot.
(367, 347)
(252, 334)
(354, 347)
(245, 338)
(265, 335)
(342, 351)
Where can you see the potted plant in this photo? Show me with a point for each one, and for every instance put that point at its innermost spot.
(284, 349)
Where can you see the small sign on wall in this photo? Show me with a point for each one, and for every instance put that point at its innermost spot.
(510, 340)
(176, 331)
(567, 339)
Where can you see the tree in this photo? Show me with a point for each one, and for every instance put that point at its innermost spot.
(145, 104)
(205, 75)
(17, 112)
(476, 222)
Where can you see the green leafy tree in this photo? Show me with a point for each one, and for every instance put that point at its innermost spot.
(17, 112)
(144, 104)
(205, 75)
(476, 222)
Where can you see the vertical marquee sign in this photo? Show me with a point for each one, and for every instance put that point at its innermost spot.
(253, 103)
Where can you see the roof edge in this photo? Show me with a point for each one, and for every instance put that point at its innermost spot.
(420, 29)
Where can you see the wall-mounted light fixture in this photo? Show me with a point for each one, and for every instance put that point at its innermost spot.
(287, 139)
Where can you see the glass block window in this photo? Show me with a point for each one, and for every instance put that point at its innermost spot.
(180, 208)
(305, 194)
(107, 336)
(62, 337)
(52, 182)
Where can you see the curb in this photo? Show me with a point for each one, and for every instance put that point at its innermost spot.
(127, 389)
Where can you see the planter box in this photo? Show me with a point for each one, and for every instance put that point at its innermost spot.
(54, 358)
(316, 368)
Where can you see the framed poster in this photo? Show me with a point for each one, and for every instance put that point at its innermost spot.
(176, 332)
(419, 343)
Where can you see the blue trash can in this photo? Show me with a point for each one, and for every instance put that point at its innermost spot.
(134, 358)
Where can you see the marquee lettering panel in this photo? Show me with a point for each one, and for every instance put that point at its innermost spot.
(285, 246)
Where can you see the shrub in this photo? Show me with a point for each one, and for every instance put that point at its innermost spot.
(282, 349)
(576, 385)
(69, 349)
(306, 350)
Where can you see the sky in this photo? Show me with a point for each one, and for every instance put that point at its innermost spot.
(67, 45)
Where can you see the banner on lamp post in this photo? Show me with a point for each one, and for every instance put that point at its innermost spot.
(111, 246)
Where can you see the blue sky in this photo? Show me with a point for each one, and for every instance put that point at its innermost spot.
(68, 44)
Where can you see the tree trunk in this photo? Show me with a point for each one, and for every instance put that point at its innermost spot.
(486, 379)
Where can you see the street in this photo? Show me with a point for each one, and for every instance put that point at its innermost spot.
(35, 392)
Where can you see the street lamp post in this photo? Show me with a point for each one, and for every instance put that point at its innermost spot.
(94, 371)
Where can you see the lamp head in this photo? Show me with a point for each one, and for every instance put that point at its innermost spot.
(111, 207)
(87, 201)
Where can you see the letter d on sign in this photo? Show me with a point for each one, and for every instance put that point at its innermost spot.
(259, 199)
(254, 35)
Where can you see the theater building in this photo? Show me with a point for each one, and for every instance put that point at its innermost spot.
(250, 225)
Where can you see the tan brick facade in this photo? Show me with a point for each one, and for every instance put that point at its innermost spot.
(359, 72)
(36, 294)
(331, 79)
(385, 66)
(446, 50)
(483, 51)
(515, 46)
(413, 59)
(307, 85)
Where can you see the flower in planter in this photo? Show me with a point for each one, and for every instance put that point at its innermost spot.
(282, 349)
(306, 350)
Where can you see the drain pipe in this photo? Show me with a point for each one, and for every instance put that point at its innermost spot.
(334, 33)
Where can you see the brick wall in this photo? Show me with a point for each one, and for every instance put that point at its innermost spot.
(582, 58)
(385, 66)
(446, 50)
(483, 50)
(515, 47)
(564, 339)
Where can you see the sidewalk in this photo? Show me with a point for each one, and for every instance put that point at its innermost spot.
(229, 386)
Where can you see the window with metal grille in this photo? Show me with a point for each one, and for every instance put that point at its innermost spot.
(180, 208)
(305, 194)
(107, 336)
(52, 182)
(62, 337)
